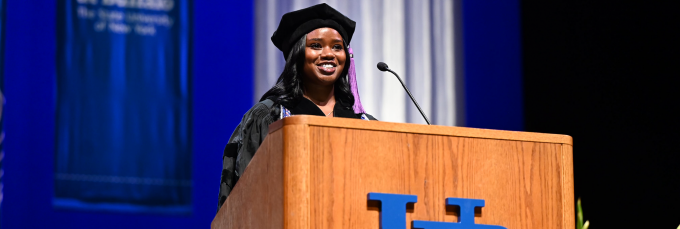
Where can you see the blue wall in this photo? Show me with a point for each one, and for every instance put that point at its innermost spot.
(223, 69)
(492, 64)
(222, 93)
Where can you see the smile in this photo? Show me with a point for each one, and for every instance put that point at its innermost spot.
(326, 68)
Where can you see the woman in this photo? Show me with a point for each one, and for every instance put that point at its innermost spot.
(316, 80)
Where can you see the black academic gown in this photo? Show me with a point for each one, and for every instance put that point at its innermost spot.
(252, 130)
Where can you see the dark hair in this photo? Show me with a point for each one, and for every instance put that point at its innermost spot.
(288, 89)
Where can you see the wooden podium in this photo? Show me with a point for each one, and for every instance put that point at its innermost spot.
(316, 172)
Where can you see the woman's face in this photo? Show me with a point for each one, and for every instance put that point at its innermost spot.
(324, 57)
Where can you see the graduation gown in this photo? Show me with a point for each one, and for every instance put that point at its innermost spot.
(252, 130)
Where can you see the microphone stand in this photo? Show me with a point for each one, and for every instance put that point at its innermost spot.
(410, 95)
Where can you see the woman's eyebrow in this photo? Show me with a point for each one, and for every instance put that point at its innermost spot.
(319, 39)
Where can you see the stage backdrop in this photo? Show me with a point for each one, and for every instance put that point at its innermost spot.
(223, 73)
(123, 118)
(2, 98)
(415, 38)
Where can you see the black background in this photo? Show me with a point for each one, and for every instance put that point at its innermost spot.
(606, 73)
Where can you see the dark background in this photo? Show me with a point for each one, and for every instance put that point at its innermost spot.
(605, 73)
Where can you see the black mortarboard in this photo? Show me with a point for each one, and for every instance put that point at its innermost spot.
(297, 23)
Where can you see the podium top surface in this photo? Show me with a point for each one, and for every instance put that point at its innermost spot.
(311, 120)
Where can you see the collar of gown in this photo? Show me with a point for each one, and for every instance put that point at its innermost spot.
(307, 107)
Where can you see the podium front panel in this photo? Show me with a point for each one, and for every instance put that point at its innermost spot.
(328, 167)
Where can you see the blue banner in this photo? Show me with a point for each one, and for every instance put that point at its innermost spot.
(2, 100)
(123, 119)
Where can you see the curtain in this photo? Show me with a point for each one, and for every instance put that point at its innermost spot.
(123, 118)
(415, 38)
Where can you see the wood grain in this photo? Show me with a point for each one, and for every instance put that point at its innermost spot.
(422, 129)
(568, 185)
(520, 181)
(297, 184)
(257, 198)
(330, 165)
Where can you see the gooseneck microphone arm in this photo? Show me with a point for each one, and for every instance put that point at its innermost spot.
(383, 67)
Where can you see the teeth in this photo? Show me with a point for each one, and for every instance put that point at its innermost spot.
(327, 66)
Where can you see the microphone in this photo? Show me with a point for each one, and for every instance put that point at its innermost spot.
(383, 67)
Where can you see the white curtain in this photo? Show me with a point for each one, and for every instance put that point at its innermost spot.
(415, 38)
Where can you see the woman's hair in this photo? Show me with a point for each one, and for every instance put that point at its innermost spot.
(288, 89)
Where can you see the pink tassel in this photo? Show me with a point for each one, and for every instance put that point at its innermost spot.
(358, 108)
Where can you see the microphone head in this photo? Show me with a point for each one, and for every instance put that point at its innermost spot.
(382, 66)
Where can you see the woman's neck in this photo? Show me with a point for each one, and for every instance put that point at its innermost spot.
(323, 97)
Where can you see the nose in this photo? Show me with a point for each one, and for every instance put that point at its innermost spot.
(327, 54)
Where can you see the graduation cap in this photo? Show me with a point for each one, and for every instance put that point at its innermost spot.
(294, 25)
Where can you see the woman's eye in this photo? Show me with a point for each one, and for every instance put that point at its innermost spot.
(316, 46)
(337, 47)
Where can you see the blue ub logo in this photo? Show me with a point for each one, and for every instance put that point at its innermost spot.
(393, 213)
